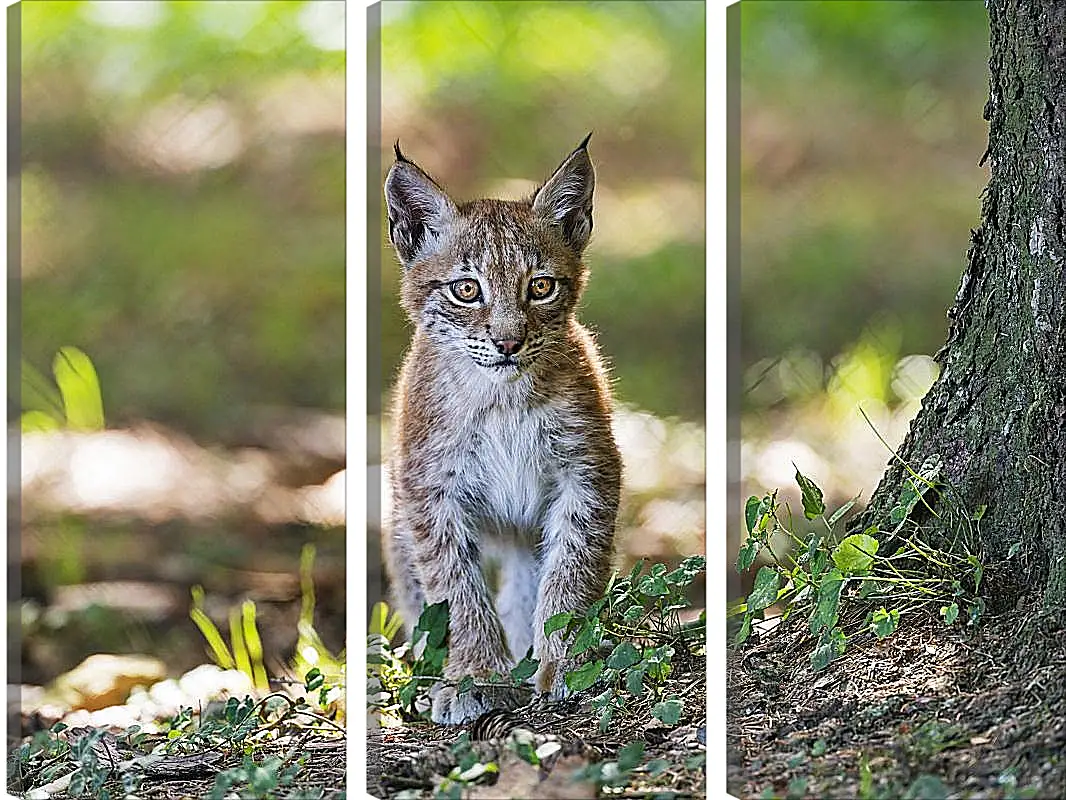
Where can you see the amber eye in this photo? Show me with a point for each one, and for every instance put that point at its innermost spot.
(465, 290)
(542, 287)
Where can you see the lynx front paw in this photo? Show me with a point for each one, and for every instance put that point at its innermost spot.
(450, 707)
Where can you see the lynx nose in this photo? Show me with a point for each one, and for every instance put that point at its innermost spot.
(508, 347)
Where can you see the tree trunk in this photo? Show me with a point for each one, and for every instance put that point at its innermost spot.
(996, 417)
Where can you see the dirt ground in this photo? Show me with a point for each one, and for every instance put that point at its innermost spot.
(929, 712)
(416, 756)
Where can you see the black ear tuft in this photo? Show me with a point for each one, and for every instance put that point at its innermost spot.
(418, 210)
(566, 197)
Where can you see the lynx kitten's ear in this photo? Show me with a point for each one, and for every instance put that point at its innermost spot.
(566, 198)
(418, 210)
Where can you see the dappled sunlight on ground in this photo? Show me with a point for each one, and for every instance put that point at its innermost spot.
(158, 475)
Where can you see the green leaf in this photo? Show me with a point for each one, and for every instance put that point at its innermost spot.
(584, 676)
(589, 636)
(831, 646)
(624, 655)
(635, 681)
(797, 788)
(745, 630)
(978, 572)
(633, 613)
(764, 593)
(314, 679)
(657, 766)
(668, 711)
(868, 587)
(38, 421)
(819, 563)
(748, 551)
(950, 613)
(524, 669)
(914, 488)
(855, 554)
(637, 569)
(630, 755)
(694, 565)
(840, 512)
(556, 622)
(433, 621)
(80, 389)
(813, 541)
(813, 505)
(884, 623)
(653, 586)
(752, 510)
(825, 608)
(605, 718)
(465, 685)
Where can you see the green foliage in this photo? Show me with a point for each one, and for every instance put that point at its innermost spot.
(256, 778)
(74, 403)
(839, 76)
(243, 728)
(245, 652)
(384, 623)
(635, 609)
(396, 686)
(311, 653)
(911, 574)
(624, 642)
(617, 772)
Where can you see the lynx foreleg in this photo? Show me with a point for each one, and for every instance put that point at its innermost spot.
(576, 564)
(404, 588)
(449, 566)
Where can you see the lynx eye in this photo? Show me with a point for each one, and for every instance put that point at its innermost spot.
(541, 288)
(465, 290)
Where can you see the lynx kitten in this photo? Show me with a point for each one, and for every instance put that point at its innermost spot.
(503, 448)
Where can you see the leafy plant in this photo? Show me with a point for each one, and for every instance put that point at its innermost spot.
(637, 624)
(892, 571)
(74, 402)
(255, 778)
(617, 772)
(626, 641)
(245, 652)
(311, 654)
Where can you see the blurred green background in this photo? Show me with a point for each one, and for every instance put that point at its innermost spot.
(182, 223)
(489, 98)
(861, 132)
(182, 173)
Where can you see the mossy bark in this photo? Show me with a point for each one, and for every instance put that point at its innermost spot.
(997, 414)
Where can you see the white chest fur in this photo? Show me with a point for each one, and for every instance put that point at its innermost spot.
(508, 469)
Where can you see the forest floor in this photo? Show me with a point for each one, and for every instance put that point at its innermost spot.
(929, 712)
(415, 759)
